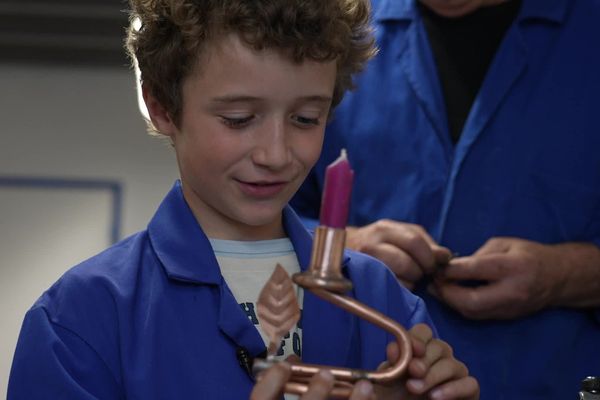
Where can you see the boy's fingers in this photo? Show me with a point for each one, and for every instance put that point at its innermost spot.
(421, 332)
(293, 359)
(363, 390)
(419, 367)
(393, 352)
(420, 335)
(271, 382)
(442, 371)
(466, 388)
(319, 386)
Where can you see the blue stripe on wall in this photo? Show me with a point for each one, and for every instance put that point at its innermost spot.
(114, 187)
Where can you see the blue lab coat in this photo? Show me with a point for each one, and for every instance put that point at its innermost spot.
(152, 318)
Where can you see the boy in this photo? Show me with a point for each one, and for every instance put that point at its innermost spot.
(242, 89)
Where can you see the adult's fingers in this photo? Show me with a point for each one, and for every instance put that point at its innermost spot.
(410, 238)
(399, 262)
(475, 302)
(442, 254)
(489, 267)
(413, 240)
(496, 245)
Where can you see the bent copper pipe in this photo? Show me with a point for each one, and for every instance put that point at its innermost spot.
(324, 279)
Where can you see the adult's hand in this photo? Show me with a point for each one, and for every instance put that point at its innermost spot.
(518, 277)
(407, 249)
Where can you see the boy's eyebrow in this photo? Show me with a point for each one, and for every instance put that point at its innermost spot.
(253, 99)
(316, 98)
(234, 99)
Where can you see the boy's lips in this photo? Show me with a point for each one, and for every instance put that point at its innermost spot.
(262, 189)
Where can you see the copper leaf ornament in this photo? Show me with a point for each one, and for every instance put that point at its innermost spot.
(277, 307)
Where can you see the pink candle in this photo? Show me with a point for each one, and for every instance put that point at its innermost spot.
(335, 202)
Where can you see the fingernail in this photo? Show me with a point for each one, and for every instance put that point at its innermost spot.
(436, 394)
(365, 387)
(450, 255)
(325, 374)
(419, 366)
(416, 384)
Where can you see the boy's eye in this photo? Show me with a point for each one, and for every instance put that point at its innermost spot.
(236, 122)
(306, 120)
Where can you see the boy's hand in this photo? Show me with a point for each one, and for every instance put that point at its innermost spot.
(433, 372)
(271, 383)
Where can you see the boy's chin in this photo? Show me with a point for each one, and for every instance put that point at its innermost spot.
(263, 224)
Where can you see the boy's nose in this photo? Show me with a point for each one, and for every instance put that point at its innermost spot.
(272, 148)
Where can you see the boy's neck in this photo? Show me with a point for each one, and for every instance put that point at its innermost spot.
(246, 234)
(218, 226)
(240, 232)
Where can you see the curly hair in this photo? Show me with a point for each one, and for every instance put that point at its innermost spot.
(167, 37)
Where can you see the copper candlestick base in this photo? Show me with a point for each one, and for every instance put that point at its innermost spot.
(324, 278)
(325, 271)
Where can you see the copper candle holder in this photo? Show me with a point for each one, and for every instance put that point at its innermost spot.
(324, 278)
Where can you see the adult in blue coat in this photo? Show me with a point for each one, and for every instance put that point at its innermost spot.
(242, 90)
(475, 131)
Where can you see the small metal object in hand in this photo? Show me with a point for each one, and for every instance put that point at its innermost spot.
(590, 388)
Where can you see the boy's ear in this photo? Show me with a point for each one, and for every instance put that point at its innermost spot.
(160, 117)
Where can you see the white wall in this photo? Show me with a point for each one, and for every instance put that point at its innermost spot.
(67, 123)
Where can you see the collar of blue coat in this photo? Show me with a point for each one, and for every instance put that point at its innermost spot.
(186, 255)
(406, 10)
(184, 249)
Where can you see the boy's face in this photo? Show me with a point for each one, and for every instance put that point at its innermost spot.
(251, 128)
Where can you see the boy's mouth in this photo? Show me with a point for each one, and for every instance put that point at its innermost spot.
(262, 189)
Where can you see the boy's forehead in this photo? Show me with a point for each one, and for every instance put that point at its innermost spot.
(230, 71)
(230, 43)
(233, 46)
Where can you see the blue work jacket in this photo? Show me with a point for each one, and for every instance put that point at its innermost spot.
(527, 165)
(152, 318)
